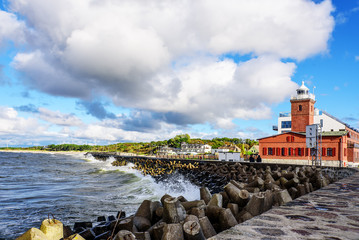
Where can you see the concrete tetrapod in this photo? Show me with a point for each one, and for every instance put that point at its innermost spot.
(52, 228)
(33, 234)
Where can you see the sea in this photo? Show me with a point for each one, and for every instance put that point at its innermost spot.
(72, 188)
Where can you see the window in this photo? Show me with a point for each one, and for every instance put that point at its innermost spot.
(286, 124)
(292, 138)
(300, 107)
(330, 152)
(299, 151)
(270, 151)
(312, 152)
(278, 151)
(284, 151)
(264, 151)
(323, 151)
(289, 151)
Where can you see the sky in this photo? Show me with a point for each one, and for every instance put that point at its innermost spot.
(108, 71)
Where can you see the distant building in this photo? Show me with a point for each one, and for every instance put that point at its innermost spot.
(187, 148)
(254, 149)
(340, 142)
(231, 148)
(230, 156)
(218, 150)
(166, 150)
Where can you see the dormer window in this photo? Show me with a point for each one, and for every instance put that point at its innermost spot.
(300, 108)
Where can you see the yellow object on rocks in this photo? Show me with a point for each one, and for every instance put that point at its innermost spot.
(75, 237)
(53, 229)
(33, 234)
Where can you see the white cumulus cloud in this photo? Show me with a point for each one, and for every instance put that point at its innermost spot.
(168, 57)
(11, 29)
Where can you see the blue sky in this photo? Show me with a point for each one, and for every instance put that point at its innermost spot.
(104, 72)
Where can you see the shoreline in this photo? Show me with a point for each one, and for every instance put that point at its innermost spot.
(45, 152)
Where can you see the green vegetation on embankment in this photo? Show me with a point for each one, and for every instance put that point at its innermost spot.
(143, 148)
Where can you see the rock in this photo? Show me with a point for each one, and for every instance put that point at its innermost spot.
(173, 232)
(52, 228)
(75, 237)
(281, 197)
(33, 234)
(192, 230)
(237, 195)
(207, 227)
(216, 200)
(173, 211)
(88, 234)
(141, 223)
(226, 219)
(205, 194)
(124, 235)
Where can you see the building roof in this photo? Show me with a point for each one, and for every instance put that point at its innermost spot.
(256, 147)
(324, 134)
(347, 125)
(334, 133)
(303, 87)
(281, 134)
(231, 147)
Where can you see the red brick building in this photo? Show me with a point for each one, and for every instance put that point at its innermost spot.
(340, 142)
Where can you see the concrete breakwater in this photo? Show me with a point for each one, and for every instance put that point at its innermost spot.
(230, 193)
(216, 174)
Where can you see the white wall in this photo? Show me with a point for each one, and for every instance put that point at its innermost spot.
(329, 123)
(280, 120)
(229, 156)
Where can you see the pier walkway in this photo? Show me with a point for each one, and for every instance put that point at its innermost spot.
(329, 213)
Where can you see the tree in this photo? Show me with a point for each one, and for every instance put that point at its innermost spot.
(178, 139)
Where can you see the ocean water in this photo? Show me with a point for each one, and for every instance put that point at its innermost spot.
(73, 188)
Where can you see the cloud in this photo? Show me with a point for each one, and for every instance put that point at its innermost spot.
(42, 73)
(141, 121)
(164, 59)
(19, 131)
(11, 29)
(213, 90)
(53, 117)
(343, 17)
(96, 109)
(27, 108)
(3, 78)
(58, 118)
(351, 119)
(108, 130)
(356, 58)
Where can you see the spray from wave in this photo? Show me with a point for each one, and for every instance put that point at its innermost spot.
(135, 187)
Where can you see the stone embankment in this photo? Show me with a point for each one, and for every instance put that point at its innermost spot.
(230, 193)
